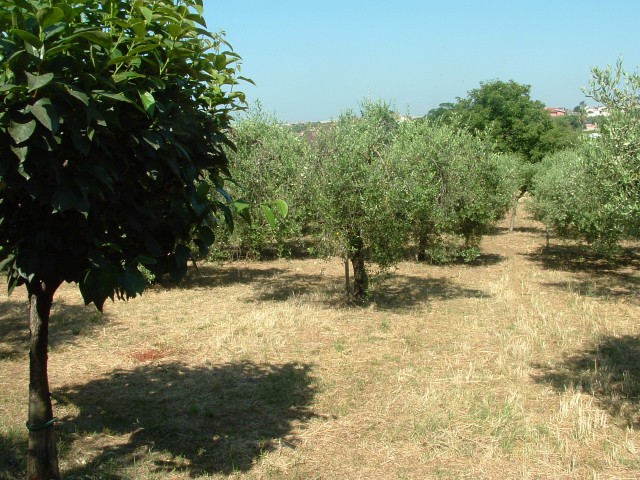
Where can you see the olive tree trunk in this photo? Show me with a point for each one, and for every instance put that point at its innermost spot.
(347, 280)
(360, 277)
(42, 457)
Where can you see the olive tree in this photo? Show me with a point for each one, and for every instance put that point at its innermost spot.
(270, 172)
(453, 187)
(113, 117)
(616, 161)
(355, 196)
(592, 192)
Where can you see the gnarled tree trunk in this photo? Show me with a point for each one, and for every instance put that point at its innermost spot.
(42, 458)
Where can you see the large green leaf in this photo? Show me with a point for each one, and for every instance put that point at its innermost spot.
(21, 132)
(78, 94)
(133, 59)
(96, 36)
(6, 261)
(46, 114)
(269, 215)
(241, 205)
(147, 13)
(206, 234)
(282, 208)
(20, 152)
(149, 103)
(125, 76)
(36, 81)
(48, 16)
(119, 97)
(133, 281)
(27, 37)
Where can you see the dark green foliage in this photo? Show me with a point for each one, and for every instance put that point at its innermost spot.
(112, 120)
(508, 115)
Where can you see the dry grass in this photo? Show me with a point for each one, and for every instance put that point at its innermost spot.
(524, 365)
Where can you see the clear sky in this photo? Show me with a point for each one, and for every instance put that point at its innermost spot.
(311, 60)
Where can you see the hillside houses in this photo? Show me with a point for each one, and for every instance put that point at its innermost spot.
(589, 116)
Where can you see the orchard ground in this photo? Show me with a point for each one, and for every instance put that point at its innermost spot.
(525, 364)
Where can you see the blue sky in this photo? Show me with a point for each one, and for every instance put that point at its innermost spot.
(313, 60)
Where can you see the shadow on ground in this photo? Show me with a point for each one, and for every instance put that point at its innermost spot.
(483, 260)
(11, 465)
(67, 323)
(610, 371)
(212, 276)
(407, 291)
(389, 292)
(594, 275)
(502, 230)
(175, 417)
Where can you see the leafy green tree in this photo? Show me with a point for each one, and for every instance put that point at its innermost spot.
(561, 195)
(615, 160)
(580, 112)
(517, 123)
(592, 193)
(112, 124)
(271, 172)
(443, 110)
(356, 197)
(452, 187)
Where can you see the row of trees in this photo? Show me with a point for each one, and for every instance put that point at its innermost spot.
(370, 188)
(373, 188)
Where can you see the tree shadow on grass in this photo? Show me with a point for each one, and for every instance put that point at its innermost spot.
(11, 465)
(518, 229)
(212, 276)
(487, 260)
(609, 371)
(14, 328)
(580, 258)
(483, 260)
(389, 292)
(407, 291)
(175, 417)
(67, 323)
(595, 275)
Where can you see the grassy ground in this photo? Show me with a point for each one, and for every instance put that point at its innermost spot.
(523, 365)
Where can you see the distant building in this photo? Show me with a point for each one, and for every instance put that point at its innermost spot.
(556, 111)
(599, 111)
